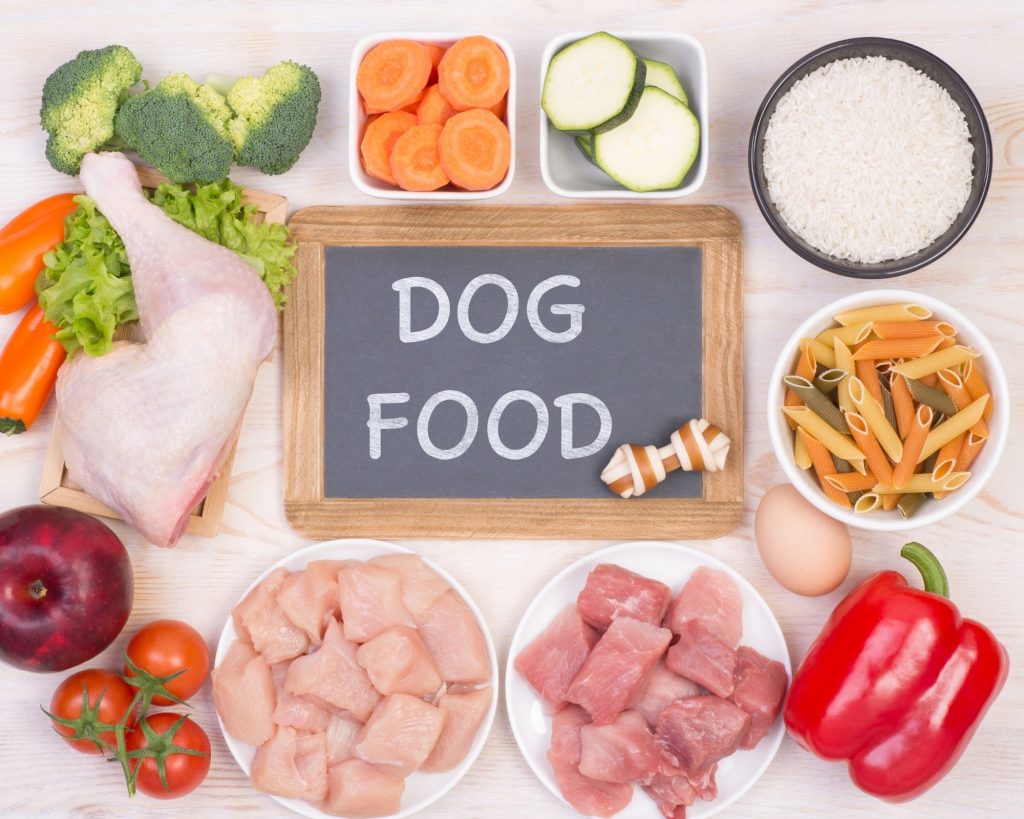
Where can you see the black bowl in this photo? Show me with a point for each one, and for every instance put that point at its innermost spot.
(934, 68)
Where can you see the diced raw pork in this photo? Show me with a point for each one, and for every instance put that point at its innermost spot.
(693, 734)
(671, 792)
(371, 601)
(243, 692)
(663, 688)
(342, 733)
(760, 688)
(618, 668)
(261, 622)
(586, 795)
(612, 591)
(309, 597)
(291, 764)
(357, 788)
(700, 656)
(624, 751)
(398, 661)
(421, 585)
(455, 641)
(332, 676)
(711, 597)
(401, 732)
(464, 713)
(551, 661)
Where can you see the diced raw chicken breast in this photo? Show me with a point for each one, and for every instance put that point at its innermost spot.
(299, 712)
(695, 733)
(342, 734)
(618, 668)
(397, 661)
(357, 788)
(586, 795)
(551, 661)
(332, 675)
(663, 688)
(291, 764)
(455, 641)
(624, 751)
(464, 713)
(760, 688)
(711, 597)
(401, 732)
(671, 792)
(421, 585)
(371, 601)
(700, 656)
(243, 693)
(309, 597)
(261, 622)
(612, 591)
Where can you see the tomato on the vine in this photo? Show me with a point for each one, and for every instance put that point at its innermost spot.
(165, 647)
(107, 699)
(174, 744)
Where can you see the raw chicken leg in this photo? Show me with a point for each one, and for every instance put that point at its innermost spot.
(147, 427)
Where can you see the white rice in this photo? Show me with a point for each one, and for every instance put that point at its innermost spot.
(868, 159)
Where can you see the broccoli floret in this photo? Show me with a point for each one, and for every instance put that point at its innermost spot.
(79, 102)
(181, 127)
(274, 116)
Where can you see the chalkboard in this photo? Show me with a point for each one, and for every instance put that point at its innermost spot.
(469, 371)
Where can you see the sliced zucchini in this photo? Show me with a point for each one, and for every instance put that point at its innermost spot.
(655, 148)
(584, 143)
(593, 84)
(661, 75)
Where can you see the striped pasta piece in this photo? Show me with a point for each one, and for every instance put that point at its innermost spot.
(945, 343)
(817, 401)
(953, 385)
(975, 383)
(806, 367)
(800, 454)
(854, 334)
(822, 352)
(890, 502)
(902, 403)
(878, 349)
(923, 482)
(940, 360)
(866, 503)
(844, 362)
(829, 380)
(945, 460)
(874, 415)
(913, 329)
(836, 443)
(912, 446)
(884, 313)
(822, 461)
(954, 426)
(875, 458)
(851, 481)
(887, 406)
(936, 399)
(969, 450)
(868, 375)
(929, 380)
(909, 504)
(841, 465)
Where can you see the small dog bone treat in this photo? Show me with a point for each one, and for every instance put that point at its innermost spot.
(697, 445)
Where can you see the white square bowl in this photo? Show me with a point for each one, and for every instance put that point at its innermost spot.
(568, 173)
(357, 121)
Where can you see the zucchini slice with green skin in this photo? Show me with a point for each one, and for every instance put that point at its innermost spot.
(655, 148)
(593, 84)
(584, 143)
(662, 75)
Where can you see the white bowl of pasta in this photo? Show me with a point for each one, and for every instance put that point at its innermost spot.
(888, 410)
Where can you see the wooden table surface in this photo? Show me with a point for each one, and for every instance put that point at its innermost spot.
(748, 44)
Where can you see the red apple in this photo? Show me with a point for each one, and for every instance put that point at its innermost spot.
(65, 587)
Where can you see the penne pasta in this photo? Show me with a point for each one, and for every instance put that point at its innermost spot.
(884, 313)
(868, 502)
(874, 457)
(890, 502)
(890, 410)
(945, 460)
(829, 380)
(902, 404)
(854, 334)
(868, 374)
(936, 399)
(806, 367)
(953, 385)
(909, 504)
(874, 415)
(822, 352)
(975, 383)
(800, 453)
(822, 461)
(817, 402)
(841, 465)
(952, 427)
(950, 357)
(969, 450)
(922, 482)
(844, 362)
(836, 443)
(912, 446)
(878, 349)
(851, 481)
(913, 329)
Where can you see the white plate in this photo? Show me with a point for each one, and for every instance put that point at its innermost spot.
(672, 565)
(421, 789)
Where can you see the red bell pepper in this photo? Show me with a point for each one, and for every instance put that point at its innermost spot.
(896, 683)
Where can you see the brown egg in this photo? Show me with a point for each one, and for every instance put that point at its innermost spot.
(804, 549)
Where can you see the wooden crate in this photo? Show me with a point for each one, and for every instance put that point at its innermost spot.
(56, 489)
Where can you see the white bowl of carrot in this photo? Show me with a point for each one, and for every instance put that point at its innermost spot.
(432, 116)
(888, 410)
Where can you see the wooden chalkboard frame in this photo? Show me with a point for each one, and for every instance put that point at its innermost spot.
(713, 229)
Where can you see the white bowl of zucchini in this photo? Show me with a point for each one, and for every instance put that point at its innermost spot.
(625, 115)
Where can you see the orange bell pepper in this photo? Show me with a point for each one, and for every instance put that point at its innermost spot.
(28, 371)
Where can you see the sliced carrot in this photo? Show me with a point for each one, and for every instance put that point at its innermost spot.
(393, 74)
(379, 139)
(434, 109)
(475, 150)
(415, 164)
(473, 73)
(436, 53)
(500, 108)
(412, 107)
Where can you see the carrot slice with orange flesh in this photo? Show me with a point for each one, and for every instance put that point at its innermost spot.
(379, 139)
(436, 53)
(433, 109)
(475, 150)
(500, 109)
(473, 73)
(393, 74)
(412, 107)
(415, 164)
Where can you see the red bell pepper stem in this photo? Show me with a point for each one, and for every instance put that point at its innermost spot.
(927, 563)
